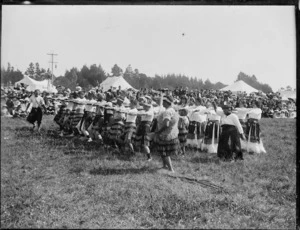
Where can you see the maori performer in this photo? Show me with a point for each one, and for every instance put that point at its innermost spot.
(94, 129)
(130, 126)
(167, 133)
(229, 146)
(254, 143)
(212, 129)
(183, 125)
(143, 138)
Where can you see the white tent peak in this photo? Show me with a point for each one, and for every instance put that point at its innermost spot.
(240, 86)
(34, 84)
(115, 81)
(286, 94)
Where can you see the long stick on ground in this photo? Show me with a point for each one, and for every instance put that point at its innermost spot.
(204, 183)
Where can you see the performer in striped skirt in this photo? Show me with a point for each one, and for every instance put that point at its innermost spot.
(108, 120)
(67, 118)
(77, 117)
(60, 114)
(130, 126)
(94, 129)
(90, 112)
(167, 133)
(117, 128)
(183, 125)
(143, 138)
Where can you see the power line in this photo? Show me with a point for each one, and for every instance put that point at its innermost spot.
(52, 62)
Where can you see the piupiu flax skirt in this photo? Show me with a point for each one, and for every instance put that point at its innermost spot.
(142, 134)
(167, 148)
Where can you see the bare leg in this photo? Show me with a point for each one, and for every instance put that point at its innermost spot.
(131, 148)
(147, 151)
(169, 163)
(165, 166)
(183, 150)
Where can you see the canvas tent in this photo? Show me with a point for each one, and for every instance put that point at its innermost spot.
(286, 94)
(33, 85)
(115, 82)
(240, 86)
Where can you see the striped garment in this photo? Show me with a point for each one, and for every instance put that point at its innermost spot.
(253, 141)
(117, 129)
(105, 133)
(212, 126)
(97, 121)
(196, 129)
(94, 130)
(88, 120)
(59, 115)
(183, 130)
(76, 118)
(253, 129)
(142, 136)
(130, 131)
(167, 148)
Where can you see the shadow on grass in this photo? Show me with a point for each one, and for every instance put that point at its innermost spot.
(110, 171)
(24, 128)
(205, 160)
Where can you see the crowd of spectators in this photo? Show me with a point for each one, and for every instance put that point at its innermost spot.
(14, 100)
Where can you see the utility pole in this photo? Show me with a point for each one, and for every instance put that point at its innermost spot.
(52, 62)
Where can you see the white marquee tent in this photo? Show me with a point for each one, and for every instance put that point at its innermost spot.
(240, 86)
(286, 94)
(115, 82)
(33, 85)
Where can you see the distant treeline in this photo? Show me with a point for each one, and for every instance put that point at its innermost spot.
(89, 77)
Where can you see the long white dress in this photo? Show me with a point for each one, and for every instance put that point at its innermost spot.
(256, 147)
(197, 114)
(213, 118)
(242, 114)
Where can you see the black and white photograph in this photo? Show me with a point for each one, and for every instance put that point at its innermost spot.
(148, 116)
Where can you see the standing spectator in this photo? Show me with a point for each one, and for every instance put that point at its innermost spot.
(36, 113)
(10, 105)
(167, 133)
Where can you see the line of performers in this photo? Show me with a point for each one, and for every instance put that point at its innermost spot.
(134, 127)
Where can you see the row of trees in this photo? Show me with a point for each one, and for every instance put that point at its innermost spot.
(140, 80)
(91, 76)
(35, 72)
(10, 75)
(86, 77)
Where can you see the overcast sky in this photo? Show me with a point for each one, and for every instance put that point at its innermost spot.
(215, 42)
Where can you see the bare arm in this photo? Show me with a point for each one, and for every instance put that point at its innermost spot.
(237, 124)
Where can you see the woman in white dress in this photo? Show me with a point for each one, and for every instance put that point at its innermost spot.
(254, 143)
(242, 114)
(212, 130)
(197, 124)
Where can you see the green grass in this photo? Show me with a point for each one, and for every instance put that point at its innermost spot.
(51, 182)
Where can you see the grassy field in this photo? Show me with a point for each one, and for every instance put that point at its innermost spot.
(51, 182)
